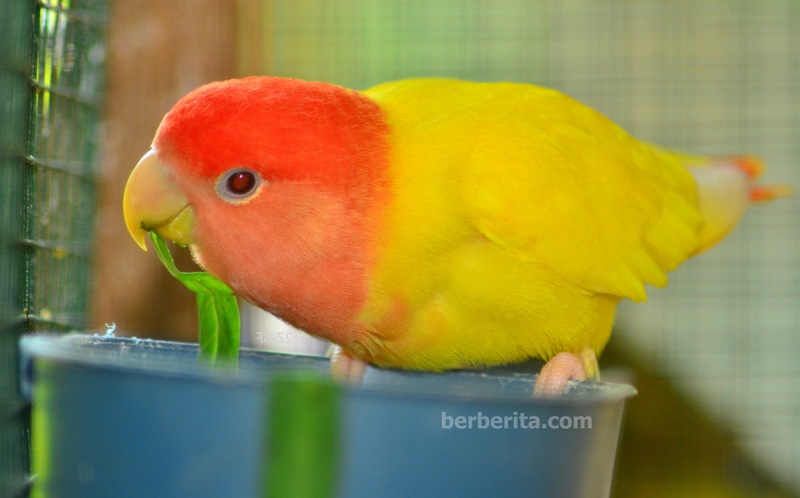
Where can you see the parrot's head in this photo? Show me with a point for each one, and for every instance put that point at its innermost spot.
(273, 184)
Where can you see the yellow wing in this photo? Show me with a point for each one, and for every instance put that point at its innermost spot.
(548, 179)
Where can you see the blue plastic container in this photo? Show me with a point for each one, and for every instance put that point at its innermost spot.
(126, 417)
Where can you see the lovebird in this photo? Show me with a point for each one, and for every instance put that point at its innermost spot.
(431, 224)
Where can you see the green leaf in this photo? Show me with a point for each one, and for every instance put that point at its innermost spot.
(217, 308)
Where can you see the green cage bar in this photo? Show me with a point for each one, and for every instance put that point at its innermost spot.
(52, 57)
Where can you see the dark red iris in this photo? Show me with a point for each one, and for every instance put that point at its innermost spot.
(241, 182)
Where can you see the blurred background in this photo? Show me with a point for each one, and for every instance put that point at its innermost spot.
(714, 356)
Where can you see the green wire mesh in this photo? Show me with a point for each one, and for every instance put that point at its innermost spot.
(15, 49)
(67, 82)
(51, 79)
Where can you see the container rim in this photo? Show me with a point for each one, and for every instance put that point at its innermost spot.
(149, 357)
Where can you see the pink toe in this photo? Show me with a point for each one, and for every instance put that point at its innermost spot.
(345, 368)
(552, 380)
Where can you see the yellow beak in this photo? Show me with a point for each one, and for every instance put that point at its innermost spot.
(153, 202)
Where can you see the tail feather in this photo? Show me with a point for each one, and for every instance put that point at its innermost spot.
(753, 168)
(766, 193)
(726, 187)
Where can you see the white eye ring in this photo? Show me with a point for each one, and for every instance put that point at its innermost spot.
(238, 184)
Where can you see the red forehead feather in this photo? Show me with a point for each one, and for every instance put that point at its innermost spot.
(286, 128)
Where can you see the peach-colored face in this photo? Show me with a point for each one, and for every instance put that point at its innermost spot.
(274, 184)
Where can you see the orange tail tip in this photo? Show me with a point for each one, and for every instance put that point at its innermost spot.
(763, 193)
(752, 166)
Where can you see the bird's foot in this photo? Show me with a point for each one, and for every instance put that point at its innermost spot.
(552, 379)
(345, 368)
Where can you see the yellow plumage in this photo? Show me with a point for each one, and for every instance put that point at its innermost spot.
(518, 218)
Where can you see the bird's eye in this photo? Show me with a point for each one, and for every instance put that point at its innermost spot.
(238, 185)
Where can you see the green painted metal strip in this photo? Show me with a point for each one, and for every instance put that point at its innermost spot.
(303, 437)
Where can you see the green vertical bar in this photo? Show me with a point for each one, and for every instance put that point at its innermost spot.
(302, 437)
